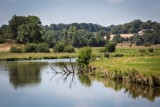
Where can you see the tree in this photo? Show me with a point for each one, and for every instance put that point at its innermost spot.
(110, 47)
(85, 57)
(138, 40)
(26, 29)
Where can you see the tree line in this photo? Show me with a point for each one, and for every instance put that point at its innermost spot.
(28, 29)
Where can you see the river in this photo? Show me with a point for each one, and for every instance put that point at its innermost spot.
(35, 84)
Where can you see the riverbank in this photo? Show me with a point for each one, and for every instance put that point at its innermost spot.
(6, 56)
(144, 70)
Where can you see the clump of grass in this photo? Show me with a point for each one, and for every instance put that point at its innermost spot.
(142, 50)
(150, 49)
(106, 55)
(118, 55)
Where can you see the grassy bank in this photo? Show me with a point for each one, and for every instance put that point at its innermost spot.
(147, 65)
(138, 66)
(33, 56)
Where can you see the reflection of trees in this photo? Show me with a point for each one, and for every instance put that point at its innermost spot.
(133, 90)
(68, 69)
(85, 80)
(24, 73)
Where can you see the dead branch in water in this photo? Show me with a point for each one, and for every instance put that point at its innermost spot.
(65, 72)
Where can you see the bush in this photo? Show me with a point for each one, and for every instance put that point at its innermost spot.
(43, 47)
(110, 47)
(85, 56)
(147, 44)
(31, 47)
(59, 47)
(106, 55)
(142, 50)
(69, 49)
(15, 49)
(150, 49)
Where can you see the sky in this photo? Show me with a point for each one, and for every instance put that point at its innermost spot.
(103, 12)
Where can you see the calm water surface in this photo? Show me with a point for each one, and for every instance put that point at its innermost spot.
(34, 84)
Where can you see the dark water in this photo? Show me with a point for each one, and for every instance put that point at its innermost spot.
(34, 84)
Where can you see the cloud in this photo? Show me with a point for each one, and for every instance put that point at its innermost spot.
(115, 1)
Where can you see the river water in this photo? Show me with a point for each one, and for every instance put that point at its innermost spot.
(35, 84)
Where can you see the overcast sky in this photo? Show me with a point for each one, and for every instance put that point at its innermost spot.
(104, 12)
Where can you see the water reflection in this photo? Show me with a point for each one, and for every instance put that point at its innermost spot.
(85, 80)
(133, 90)
(66, 69)
(24, 74)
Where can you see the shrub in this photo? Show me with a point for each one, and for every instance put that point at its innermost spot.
(43, 47)
(31, 47)
(106, 55)
(85, 57)
(147, 44)
(15, 49)
(59, 47)
(150, 49)
(110, 47)
(69, 49)
(142, 50)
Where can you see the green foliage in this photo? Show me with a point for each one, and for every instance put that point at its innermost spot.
(110, 47)
(28, 29)
(85, 57)
(118, 55)
(31, 47)
(69, 49)
(59, 47)
(142, 50)
(62, 46)
(147, 44)
(25, 29)
(150, 49)
(15, 49)
(118, 39)
(43, 47)
(85, 80)
(2, 40)
(106, 55)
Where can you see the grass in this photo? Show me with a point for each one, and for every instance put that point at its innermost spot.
(147, 65)
(131, 58)
(21, 56)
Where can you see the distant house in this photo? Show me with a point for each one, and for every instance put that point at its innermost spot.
(142, 32)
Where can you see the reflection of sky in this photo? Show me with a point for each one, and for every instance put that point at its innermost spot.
(52, 94)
